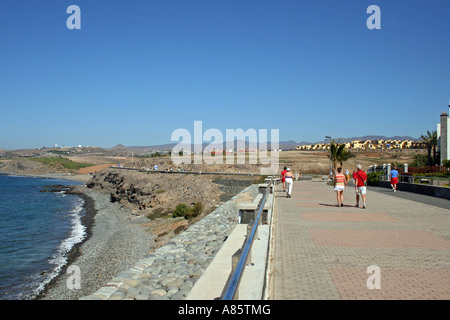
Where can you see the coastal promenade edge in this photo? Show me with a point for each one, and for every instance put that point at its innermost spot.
(394, 249)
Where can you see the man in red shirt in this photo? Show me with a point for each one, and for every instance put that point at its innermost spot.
(360, 179)
(282, 179)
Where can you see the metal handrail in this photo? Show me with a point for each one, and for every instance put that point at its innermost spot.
(411, 178)
(230, 290)
(426, 177)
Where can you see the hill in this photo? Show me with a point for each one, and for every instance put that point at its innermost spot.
(283, 145)
(122, 150)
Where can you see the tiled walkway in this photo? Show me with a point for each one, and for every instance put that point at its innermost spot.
(320, 251)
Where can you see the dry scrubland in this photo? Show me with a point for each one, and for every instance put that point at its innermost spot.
(306, 162)
(156, 195)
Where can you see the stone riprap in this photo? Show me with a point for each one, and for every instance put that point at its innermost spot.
(170, 272)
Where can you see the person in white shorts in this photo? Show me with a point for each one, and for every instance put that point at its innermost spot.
(340, 184)
(361, 181)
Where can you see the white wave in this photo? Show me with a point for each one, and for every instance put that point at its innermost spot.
(78, 233)
(78, 230)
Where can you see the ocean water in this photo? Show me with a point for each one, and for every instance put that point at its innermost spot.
(37, 230)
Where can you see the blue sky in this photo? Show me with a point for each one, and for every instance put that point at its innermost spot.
(138, 70)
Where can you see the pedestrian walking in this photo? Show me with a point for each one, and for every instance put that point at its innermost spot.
(282, 179)
(289, 180)
(340, 184)
(360, 186)
(394, 179)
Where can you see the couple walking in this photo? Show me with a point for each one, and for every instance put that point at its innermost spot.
(359, 180)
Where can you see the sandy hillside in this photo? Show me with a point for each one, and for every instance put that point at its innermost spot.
(306, 162)
(95, 168)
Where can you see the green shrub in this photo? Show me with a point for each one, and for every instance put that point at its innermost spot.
(373, 177)
(420, 160)
(181, 210)
(60, 162)
(195, 210)
(446, 163)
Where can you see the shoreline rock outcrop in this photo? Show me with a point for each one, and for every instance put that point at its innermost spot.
(24, 166)
(147, 192)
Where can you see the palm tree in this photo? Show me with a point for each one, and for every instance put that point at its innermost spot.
(344, 155)
(434, 143)
(338, 153)
(333, 153)
(430, 140)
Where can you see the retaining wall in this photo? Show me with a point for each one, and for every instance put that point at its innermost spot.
(435, 191)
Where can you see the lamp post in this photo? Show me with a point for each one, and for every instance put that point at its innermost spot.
(329, 155)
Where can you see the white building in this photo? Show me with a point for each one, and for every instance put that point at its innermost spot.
(443, 135)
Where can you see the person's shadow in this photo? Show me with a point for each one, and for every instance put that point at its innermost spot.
(333, 205)
(280, 194)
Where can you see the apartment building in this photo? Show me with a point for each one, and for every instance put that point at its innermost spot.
(368, 145)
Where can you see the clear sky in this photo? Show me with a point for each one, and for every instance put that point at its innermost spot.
(138, 70)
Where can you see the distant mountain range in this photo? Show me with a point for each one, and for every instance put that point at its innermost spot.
(120, 149)
(283, 145)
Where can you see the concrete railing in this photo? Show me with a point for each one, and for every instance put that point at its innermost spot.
(215, 280)
(242, 257)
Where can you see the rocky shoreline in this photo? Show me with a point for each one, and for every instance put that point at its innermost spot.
(115, 240)
(87, 221)
(170, 272)
(120, 258)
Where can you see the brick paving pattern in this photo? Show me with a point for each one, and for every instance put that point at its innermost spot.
(320, 251)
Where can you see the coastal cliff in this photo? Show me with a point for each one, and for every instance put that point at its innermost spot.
(24, 166)
(147, 192)
(156, 196)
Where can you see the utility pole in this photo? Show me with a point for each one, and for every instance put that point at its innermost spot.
(329, 155)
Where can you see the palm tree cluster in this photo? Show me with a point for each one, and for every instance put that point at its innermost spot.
(430, 140)
(338, 153)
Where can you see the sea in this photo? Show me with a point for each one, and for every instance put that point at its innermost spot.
(37, 230)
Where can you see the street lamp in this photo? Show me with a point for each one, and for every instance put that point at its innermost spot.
(329, 154)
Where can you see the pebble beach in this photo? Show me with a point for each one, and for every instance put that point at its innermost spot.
(115, 260)
(114, 242)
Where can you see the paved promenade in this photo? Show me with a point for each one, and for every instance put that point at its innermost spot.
(320, 251)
